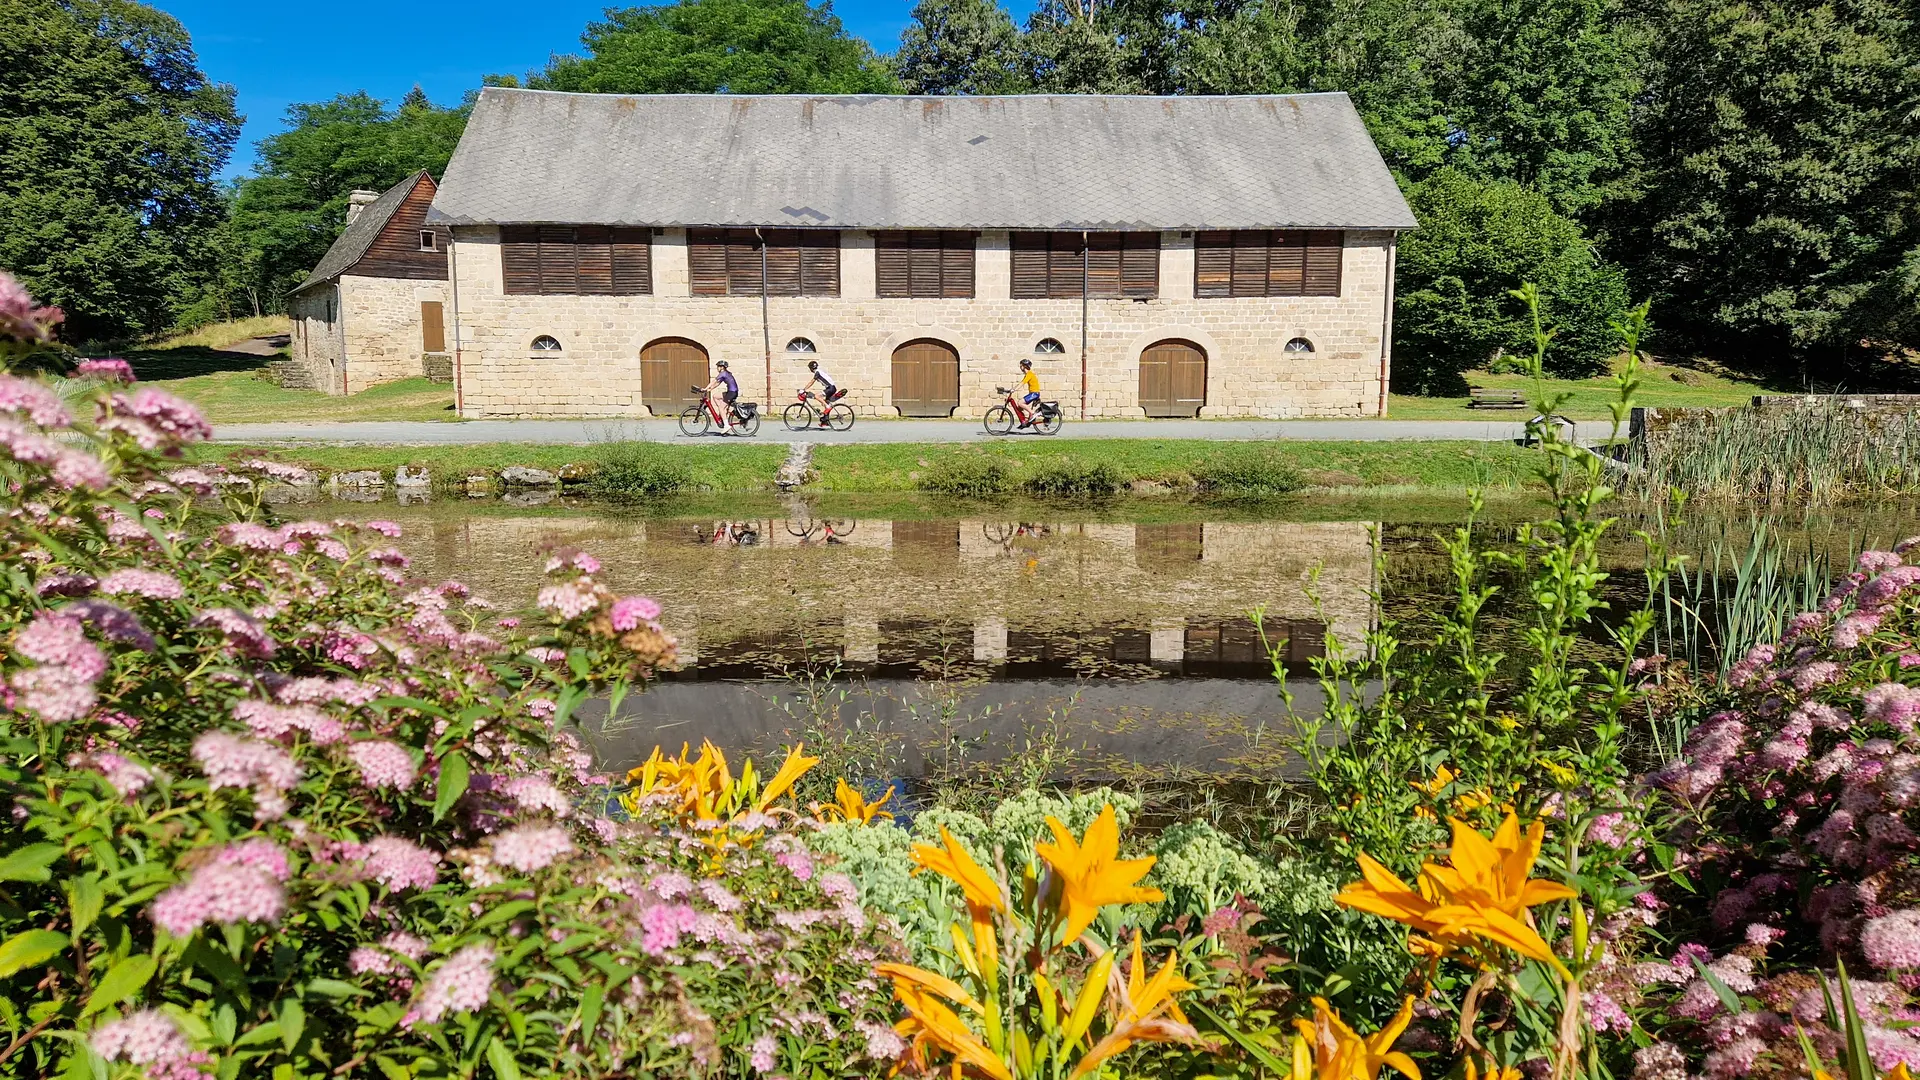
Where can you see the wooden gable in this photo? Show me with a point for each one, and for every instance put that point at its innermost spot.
(397, 252)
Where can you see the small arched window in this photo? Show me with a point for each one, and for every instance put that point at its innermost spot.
(801, 345)
(546, 343)
(1049, 347)
(1299, 345)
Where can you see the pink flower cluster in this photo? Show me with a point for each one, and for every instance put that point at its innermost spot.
(272, 721)
(230, 760)
(68, 467)
(151, 584)
(399, 863)
(461, 984)
(536, 793)
(115, 623)
(531, 847)
(108, 369)
(383, 764)
(662, 924)
(632, 612)
(378, 958)
(244, 633)
(20, 318)
(128, 777)
(33, 400)
(241, 884)
(61, 687)
(569, 599)
(148, 1038)
(153, 419)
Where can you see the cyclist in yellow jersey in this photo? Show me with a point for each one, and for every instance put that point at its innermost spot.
(1030, 383)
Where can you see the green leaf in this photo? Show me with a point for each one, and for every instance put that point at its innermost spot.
(334, 988)
(266, 1032)
(293, 1021)
(30, 948)
(501, 1058)
(510, 910)
(390, 1068)
(1859, 1063)
(84, 897)
(121, 982)
(590, 1003)
(451, 785)
(1720, 990)
(29, 863)
(1254, 1049)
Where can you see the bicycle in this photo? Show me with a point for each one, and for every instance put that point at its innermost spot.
(831, 530)
(1002, 418)
(802, 414)
(701, 417)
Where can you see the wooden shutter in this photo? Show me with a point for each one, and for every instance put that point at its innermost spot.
(707, 261)
(1029, 255)
(820, 262)
(593, 258)
(1286, 262)
(1250, 262)
(923, 263)
(433, 327)
(1066, 267)
(892, 258)
(1140, 266)
(559, 273)
(1213, 264)
(743, 263)
(1322, 269)
(632, 261)
(783, 261)
(956, 265)
(520, 260)
(1103, 264)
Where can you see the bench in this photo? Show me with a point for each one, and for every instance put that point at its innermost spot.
(1480, 397)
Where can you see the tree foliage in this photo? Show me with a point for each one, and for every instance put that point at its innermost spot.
(1779, 199)
(110, 142)
(1477, 241)
(719, 46)
(287, 214)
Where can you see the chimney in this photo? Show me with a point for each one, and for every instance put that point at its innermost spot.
(357, 201)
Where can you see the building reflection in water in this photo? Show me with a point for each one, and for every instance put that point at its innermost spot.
(1142, 634)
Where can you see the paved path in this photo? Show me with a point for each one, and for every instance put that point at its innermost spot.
(429, 433)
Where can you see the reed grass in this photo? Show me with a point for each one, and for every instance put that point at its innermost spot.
(1821, 450)
(1734, 596)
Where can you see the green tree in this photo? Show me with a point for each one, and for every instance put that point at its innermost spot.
(1778, 201)
(287, 214)
(719, 46)
(1477, 241)
(111, 140)
(959, 47)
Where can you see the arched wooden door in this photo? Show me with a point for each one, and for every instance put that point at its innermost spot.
(668, 369)
(1173, 379)
(926, 378)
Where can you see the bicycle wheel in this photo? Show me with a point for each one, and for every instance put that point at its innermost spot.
(695, 421)
(999, 420)
(748, 426)
(797, 416)
(1047, 424)
(840, 418)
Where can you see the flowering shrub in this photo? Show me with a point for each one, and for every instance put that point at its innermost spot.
(270, 807)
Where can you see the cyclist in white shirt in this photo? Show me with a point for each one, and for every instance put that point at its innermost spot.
(829, 393)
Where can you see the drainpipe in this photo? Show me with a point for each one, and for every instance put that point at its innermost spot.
(453, 277)
(1083, 325)
(1386, 319)
(340, 309)
(766, 331)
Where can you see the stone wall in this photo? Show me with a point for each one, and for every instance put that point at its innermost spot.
(316, 343)
(361, 331)
(383, 331)
(597, 371)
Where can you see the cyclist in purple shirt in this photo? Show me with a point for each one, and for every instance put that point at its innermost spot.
(729, 389)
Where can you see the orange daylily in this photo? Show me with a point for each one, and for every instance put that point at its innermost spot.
(791, 770)
(1484, 895)
(929, 1021)
(1326, 1048)
(929, 980)
(1493, 1071)
(1091, 875)
(982, 893)
(1442, 776)
(850, 806)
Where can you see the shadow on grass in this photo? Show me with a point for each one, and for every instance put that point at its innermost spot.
(188, 361)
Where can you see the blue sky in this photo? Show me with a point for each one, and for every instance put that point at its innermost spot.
(276, 54)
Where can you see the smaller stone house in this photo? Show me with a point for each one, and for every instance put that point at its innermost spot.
(374, 308)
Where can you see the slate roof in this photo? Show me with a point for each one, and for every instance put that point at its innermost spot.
(352, 243)
(870, 161)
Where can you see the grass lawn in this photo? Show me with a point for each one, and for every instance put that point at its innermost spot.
(719, 468)
(1432, 466)
(207, 368)
(1661, 385)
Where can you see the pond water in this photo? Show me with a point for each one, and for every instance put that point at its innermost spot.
(929, 632)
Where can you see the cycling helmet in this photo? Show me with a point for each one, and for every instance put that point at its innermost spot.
(813, 365)
(720, 363)
(1025, 364)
